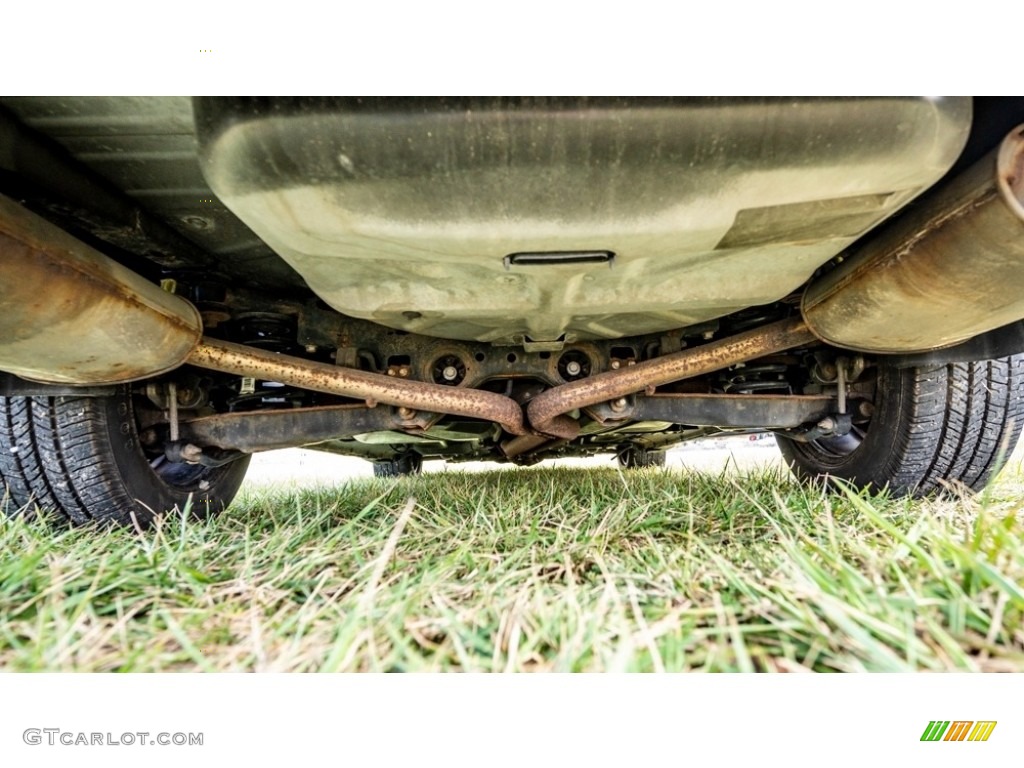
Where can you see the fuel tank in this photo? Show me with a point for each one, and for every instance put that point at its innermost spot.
(519, 220)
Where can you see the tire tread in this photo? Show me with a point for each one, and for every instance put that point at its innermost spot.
(943, 425)
(59, 454)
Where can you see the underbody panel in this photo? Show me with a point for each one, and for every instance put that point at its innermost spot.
(558, 220)
(143, 149)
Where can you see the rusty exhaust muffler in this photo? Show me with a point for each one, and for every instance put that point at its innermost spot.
(944, 272)
(72, 315)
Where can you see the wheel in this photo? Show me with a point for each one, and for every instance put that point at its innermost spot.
(635, 457)
(931, 426)
(406, 464)
(80, 458)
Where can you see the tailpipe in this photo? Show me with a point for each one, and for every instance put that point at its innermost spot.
(74, 316)
(942, 273)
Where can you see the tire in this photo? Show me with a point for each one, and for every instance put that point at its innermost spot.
(406, 464)
(933, 426)
(80, 458)
(635, 457)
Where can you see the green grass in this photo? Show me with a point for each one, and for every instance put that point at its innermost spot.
(530, 570)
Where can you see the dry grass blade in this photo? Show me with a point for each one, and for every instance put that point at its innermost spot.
(565, 569)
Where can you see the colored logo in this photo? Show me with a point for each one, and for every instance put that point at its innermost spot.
(958, 730)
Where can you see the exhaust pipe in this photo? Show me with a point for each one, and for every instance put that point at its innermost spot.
(74, 316)
(547, 412)
(374, 388)
(940, 274)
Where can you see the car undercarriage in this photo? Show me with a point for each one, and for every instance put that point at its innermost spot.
(189, 281)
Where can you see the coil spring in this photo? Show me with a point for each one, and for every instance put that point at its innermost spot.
(748, 379)
(266, 330)
(743, 320)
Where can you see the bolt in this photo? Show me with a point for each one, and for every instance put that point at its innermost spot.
(615, 365)
(450, 373)
(866, 409)
(196, 222)
(406, 413)
(573, 368)
(619, 405)
(826, 425)
(311, 348)
(403, 371)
